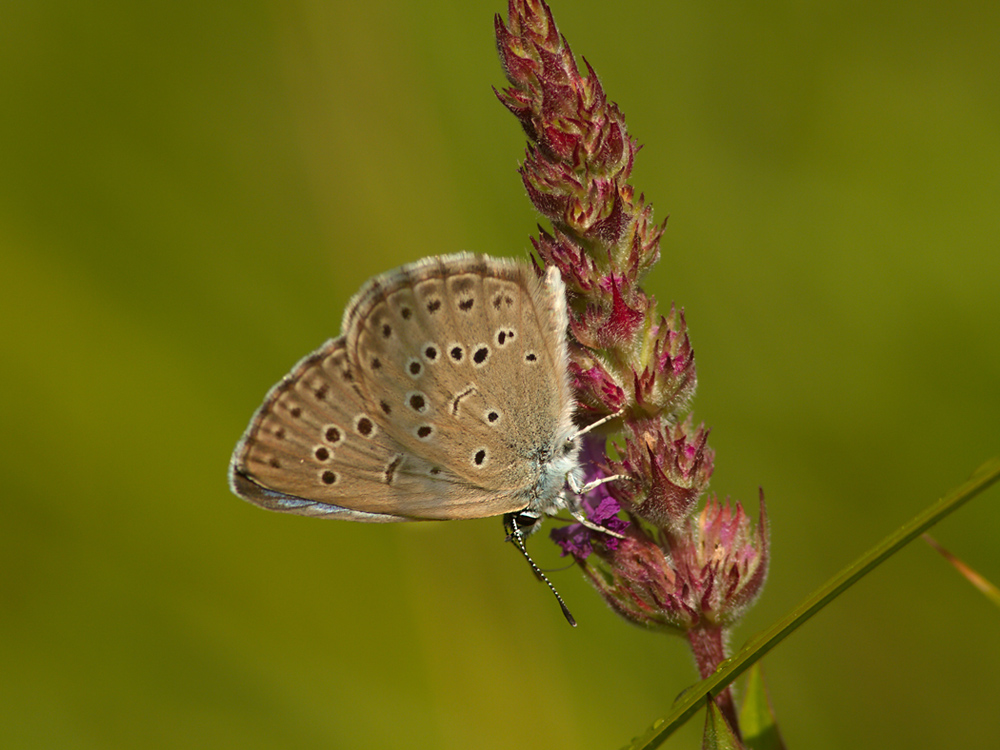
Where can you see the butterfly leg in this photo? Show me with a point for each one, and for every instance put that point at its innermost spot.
(578, 491)
(594, 425)
(584, 489)
(580, 518)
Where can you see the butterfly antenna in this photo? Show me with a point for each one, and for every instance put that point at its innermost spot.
(515, 535)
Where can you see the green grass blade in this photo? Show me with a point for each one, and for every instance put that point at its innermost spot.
(985, 587)
(694, 698)
(757, 722)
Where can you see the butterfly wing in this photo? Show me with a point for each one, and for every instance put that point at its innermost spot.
(313, 448)
(438, 402)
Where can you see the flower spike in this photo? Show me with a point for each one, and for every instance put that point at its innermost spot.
(668, 567)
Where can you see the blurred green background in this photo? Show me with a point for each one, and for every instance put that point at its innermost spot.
(190, 193)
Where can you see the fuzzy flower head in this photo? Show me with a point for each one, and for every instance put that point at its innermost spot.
(668, 566)
(705, 577)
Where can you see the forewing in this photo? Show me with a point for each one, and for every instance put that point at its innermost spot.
(465, 355)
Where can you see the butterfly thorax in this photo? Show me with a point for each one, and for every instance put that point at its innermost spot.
(555, 468)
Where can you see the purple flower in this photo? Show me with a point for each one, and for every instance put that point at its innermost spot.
(598, 506)
(674, 569)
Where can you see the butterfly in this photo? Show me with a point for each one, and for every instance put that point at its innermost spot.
(446, 396)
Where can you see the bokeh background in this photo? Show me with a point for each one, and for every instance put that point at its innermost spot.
(190, 193)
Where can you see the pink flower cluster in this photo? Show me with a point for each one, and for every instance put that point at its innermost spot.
(672, 568)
